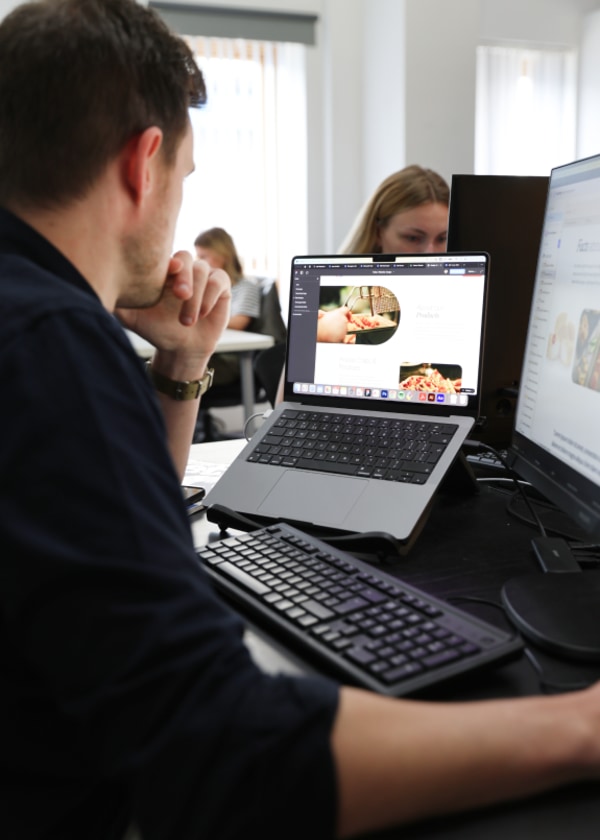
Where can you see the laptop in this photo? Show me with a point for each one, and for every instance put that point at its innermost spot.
(377, 345)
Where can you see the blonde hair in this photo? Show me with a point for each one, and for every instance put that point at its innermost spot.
(403, 190)
(217, 239)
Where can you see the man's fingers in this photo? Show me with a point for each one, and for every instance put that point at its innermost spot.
(218, 286)
(179, 276)
(190, 281)
(210, 286)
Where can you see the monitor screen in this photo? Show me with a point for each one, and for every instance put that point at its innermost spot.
(557, 424)
(556, 438)
(503, 215)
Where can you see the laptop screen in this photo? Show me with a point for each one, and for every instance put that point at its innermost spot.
(394, 332)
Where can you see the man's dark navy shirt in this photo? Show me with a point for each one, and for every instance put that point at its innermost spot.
(126, 690)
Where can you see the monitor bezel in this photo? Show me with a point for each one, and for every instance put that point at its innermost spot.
(570, 490)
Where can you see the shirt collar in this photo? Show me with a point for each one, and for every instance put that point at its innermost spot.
(17, 237)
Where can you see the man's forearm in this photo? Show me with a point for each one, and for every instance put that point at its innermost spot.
(400, 761)
(180, 420)
(180, 415)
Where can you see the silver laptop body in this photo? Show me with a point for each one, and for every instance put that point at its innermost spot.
(411, 350)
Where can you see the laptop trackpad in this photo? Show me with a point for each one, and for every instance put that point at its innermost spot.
(313, 498)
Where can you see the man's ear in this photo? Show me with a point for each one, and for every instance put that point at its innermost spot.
(139, 162)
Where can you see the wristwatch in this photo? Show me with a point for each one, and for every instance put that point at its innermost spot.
(177, 390)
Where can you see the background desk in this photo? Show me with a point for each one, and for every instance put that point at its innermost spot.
(469, 547)
(232, 341)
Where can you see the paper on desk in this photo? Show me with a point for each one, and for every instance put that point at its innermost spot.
(208, 461)
(203, 474)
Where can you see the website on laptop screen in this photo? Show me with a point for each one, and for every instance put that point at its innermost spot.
(401, 329)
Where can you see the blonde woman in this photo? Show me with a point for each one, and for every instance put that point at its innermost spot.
(407, 213)
(218, 249)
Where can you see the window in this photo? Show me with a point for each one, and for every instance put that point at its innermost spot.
(250, 152)
(525, 110)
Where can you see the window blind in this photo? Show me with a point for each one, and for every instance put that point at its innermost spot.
(230, 22)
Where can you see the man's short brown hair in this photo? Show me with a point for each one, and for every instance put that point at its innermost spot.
(78, 79)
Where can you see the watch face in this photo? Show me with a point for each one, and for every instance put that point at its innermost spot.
(207, 380)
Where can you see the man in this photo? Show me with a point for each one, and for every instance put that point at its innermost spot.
(127, 696)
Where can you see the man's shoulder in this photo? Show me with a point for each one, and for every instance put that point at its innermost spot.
(34, 274)
(29, 291)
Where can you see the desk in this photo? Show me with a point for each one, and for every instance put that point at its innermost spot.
(468, 548)
(232, 341)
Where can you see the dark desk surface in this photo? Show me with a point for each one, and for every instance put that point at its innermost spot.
(470, 545)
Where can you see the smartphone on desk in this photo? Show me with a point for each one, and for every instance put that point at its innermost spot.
(193, 497)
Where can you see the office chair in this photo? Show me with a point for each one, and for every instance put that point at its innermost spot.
(268, 365)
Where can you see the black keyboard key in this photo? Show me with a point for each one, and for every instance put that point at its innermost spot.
(243, 578)
(324, 465)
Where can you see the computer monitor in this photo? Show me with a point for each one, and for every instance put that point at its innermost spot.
(556, 440)
(500, 214)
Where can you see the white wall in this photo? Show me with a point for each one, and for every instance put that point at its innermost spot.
(6, 6)
(588, 131)
(384, 105)
(534, 22)
(440, 84)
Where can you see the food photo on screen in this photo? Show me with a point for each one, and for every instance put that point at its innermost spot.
(357, 314)
(438, 378)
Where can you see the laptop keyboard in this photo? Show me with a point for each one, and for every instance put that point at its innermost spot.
(392, 449)
(358, 622)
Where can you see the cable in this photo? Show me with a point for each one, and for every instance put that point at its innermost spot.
(473, 599)
(550, 685)
(263, 414)
(500, 479)
(587, 556)
(546, 684)
(515, 479)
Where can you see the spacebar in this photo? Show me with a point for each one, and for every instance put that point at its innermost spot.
(232, 571)
(326, 466)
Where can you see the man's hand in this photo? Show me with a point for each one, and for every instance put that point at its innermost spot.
(188, 320)
(184, 326)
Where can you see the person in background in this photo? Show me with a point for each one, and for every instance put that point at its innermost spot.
(129, 698)
(217, 248)
(407, 213)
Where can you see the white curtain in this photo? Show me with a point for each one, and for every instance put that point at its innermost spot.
(250, 153)
(525, 110)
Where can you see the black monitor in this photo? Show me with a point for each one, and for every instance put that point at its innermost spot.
(556, 439)
(500, 214)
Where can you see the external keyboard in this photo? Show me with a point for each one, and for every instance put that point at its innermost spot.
(392, 449)
(487, 462)
(359, 623)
